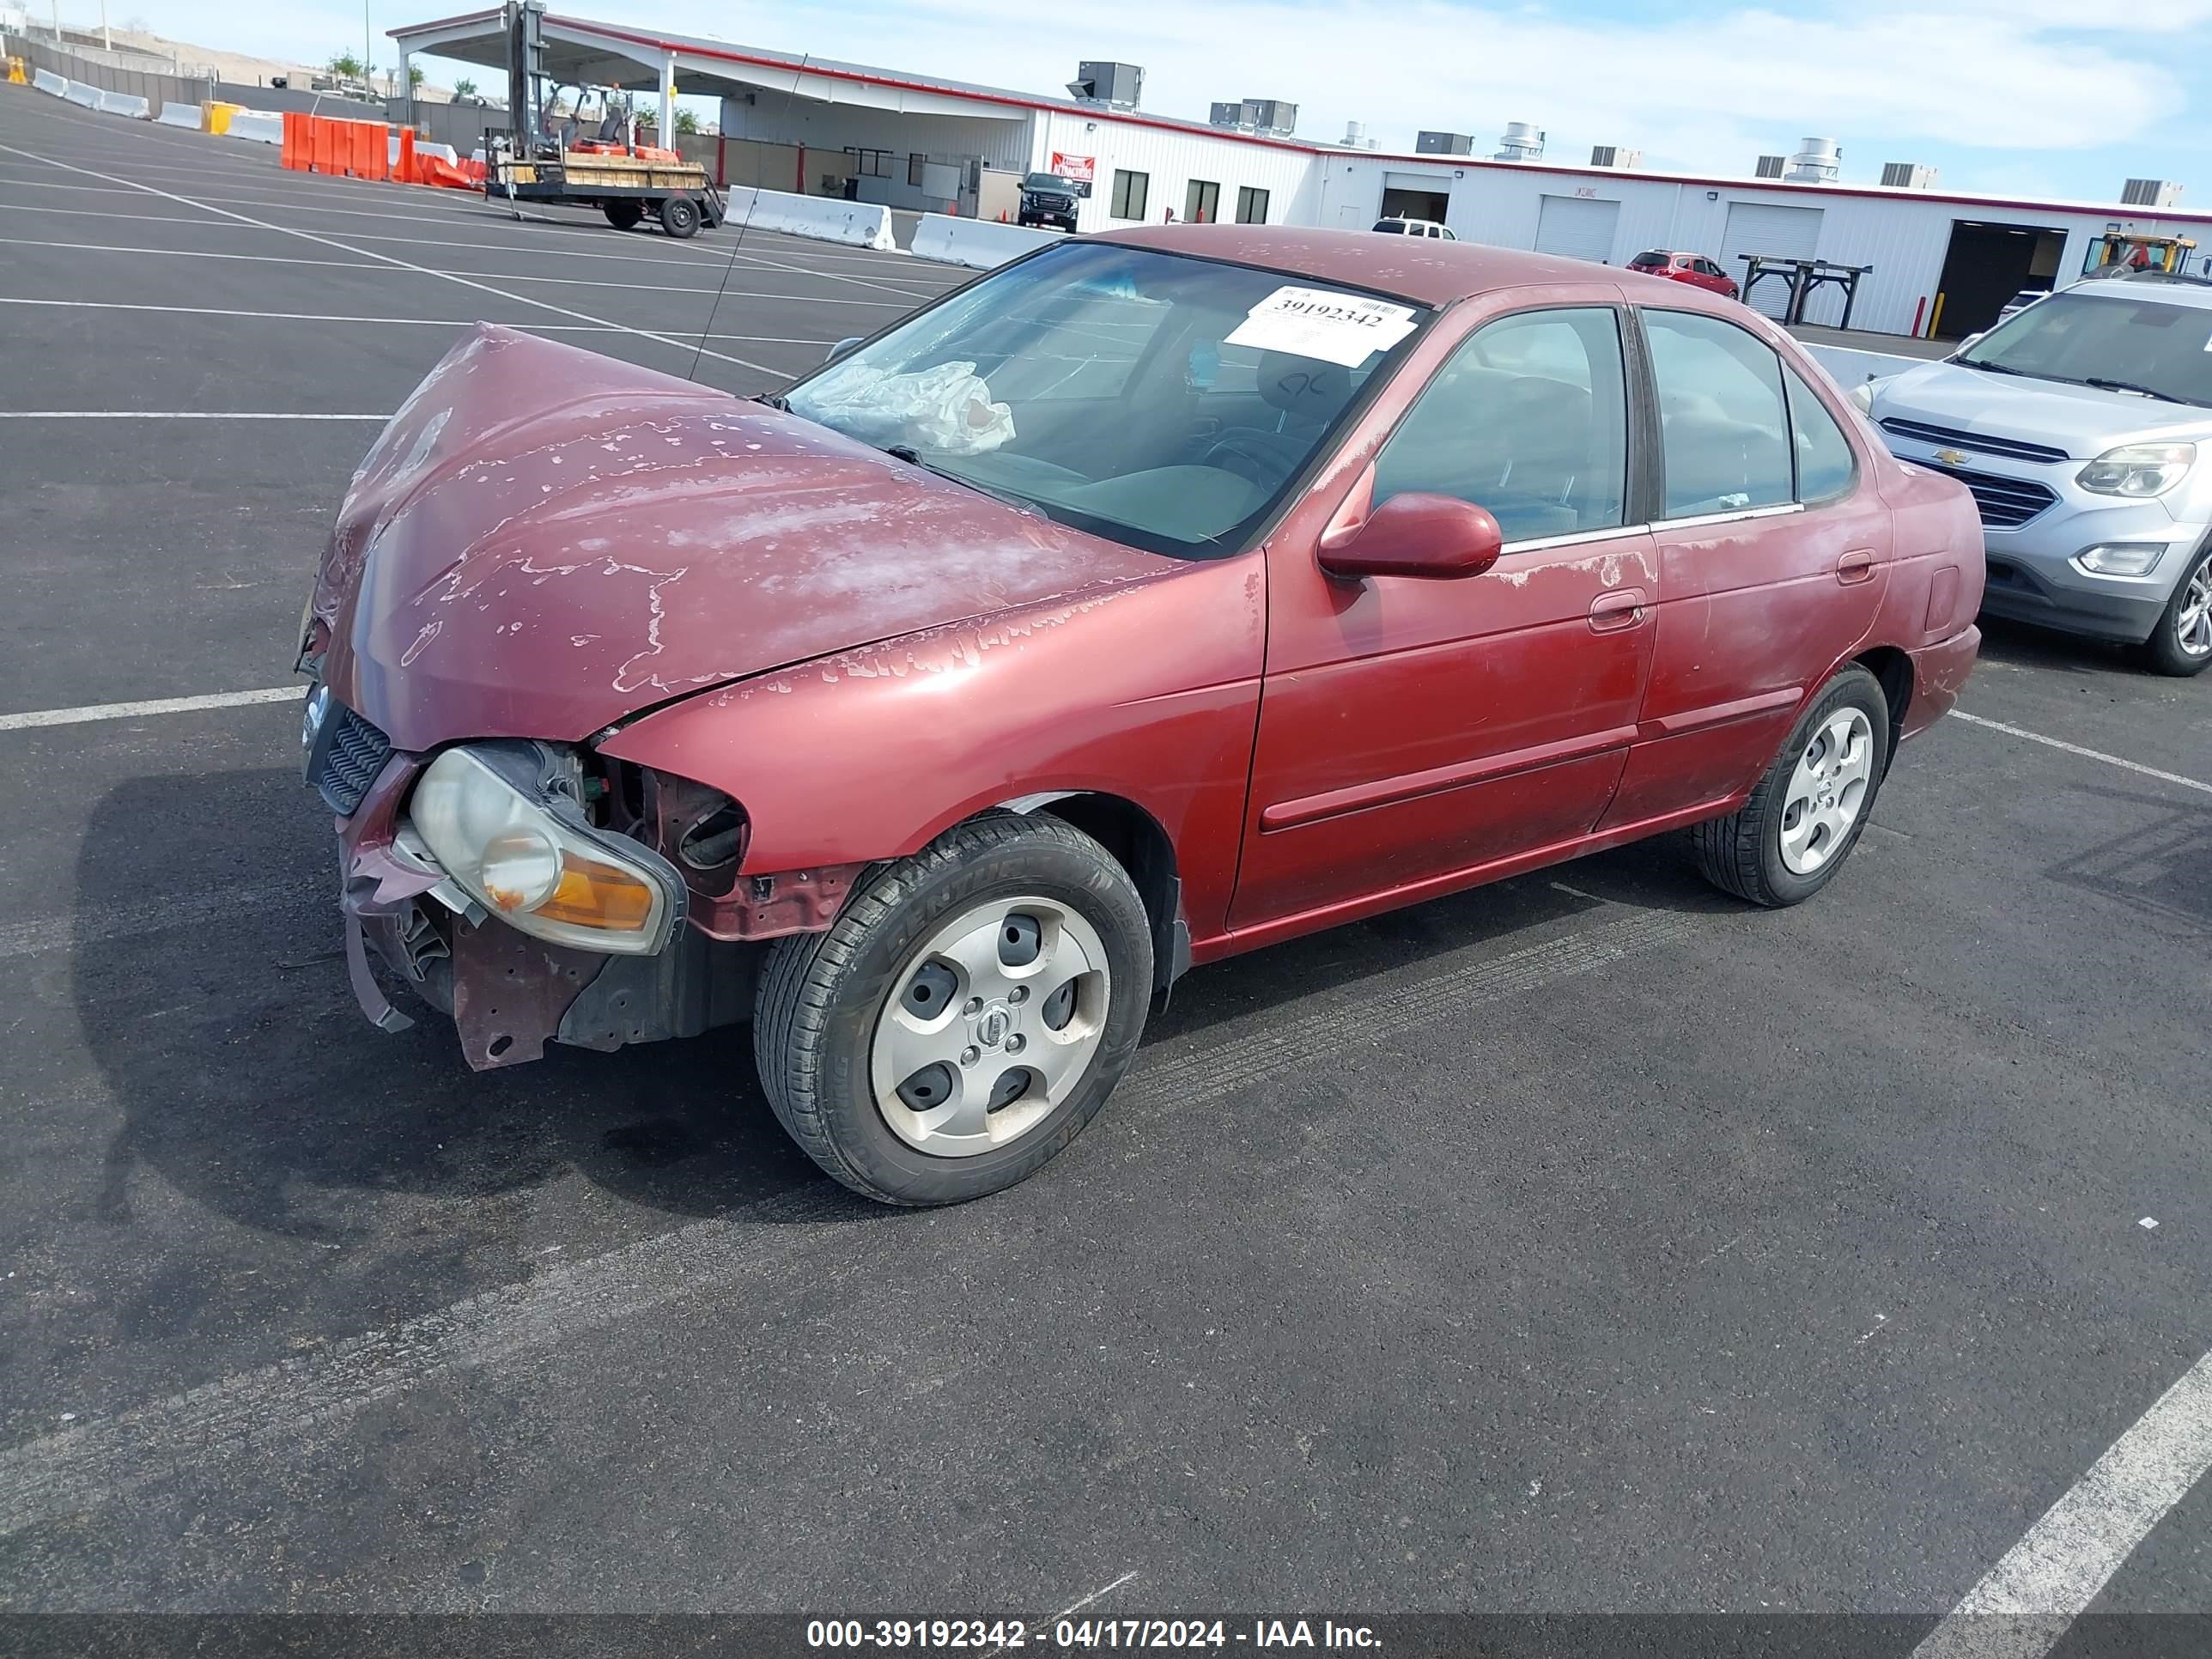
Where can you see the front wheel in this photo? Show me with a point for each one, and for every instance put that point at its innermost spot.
(1789, 840)
(2181, 644)
(965, 1017)
(679, 216)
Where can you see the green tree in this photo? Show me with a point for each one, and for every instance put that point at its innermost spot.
(415, 77)
(462, 88)
(686, 121)
(346, 65)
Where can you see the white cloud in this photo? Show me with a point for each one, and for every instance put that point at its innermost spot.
(1708, 92)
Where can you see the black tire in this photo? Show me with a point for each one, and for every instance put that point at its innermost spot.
(822, 994)
(679, 216)
(1741, 854)
(622, 213)
(2163, 652)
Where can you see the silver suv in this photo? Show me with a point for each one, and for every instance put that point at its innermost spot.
(2083, 427)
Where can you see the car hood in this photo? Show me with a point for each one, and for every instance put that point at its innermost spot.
(544, 541)
(2084, 421)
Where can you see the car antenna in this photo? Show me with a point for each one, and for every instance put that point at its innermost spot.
(707, 333)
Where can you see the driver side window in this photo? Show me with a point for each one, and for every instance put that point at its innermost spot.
(1529, 419)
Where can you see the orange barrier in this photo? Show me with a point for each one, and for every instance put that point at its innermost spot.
(372, 150)
(403, 167)
(295, 154)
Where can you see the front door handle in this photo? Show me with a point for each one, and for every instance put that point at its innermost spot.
(1618, 608)
(1856, 566)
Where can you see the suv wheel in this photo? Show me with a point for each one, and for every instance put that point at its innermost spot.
(968, 1012)
(2181, 644)
(1806, 814)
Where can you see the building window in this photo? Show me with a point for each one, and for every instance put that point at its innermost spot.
(1251, 205)
(1129, 191)
(872, 163)
(913, 166)
(1201, 202)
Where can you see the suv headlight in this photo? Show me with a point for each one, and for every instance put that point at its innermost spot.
(2137, 469)
(535, 863)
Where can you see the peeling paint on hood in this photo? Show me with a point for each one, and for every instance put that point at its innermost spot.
(544, 541)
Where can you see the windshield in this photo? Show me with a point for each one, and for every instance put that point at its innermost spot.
(1046, 181)
(1161, 401)
(2164, 349)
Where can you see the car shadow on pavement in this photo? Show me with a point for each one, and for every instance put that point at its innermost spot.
(2024, 645)
(248, 1082)
(2162, 869)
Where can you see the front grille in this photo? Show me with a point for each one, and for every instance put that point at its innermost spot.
(2005, 503)
(1980, 442)
(347, 757)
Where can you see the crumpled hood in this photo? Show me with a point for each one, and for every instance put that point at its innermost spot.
(2084, 421)
(544, 540)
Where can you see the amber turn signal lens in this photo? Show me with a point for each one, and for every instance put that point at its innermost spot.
(595, 894)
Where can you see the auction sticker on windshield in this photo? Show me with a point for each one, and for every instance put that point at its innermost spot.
(1344, 329)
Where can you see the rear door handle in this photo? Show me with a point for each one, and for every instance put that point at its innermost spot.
(1856, 566)
(1618, 608)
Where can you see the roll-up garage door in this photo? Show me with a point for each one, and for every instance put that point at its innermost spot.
(1577, 229)
(1788, 232)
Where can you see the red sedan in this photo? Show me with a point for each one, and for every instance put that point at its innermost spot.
(1159, 596)
(1692, 268)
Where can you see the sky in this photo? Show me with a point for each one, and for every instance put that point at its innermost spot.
(2053, 98)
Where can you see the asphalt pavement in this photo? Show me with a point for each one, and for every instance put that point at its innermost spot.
(1590, 1242)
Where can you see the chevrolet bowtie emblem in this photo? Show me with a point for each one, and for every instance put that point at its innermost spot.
(1952, 457)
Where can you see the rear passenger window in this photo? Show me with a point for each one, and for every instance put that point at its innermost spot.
(1528, 419)
(1826, 466)
(1724, 425)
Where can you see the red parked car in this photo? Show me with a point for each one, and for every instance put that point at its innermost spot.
(1694, 269)
(1157, 596)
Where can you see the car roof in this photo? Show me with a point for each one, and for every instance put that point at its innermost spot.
(1430, 272)
(2160, 287)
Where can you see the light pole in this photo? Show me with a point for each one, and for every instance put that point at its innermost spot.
(367, 51)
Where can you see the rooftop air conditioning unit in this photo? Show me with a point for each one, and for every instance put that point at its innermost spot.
(1522, 141)
(1444, 144)
(1907, 175)
(1612, 155)
(1226, 114)
(1118, 86)
(1769, 166)
(2150, 192)
(1818, 161)
(1271, 116)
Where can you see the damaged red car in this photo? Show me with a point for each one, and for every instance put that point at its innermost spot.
(1155, 597)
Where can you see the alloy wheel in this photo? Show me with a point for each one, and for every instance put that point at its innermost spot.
(1827, 791)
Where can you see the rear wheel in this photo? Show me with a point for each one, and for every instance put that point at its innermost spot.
(2181, 644)
(968, 1014)
(622, 213)
(1806, 814)
(679, 216)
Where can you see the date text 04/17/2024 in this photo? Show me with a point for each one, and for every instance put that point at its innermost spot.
(1005, 1636)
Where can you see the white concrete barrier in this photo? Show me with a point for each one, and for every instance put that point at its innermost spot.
(180, 115)
(77, 93)
(828, 219)
(122, 103)
(1848, 366)
(981, 243)
(47, 81)
(262, 127)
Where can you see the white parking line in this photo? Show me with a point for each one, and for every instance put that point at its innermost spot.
(383, 259)
(123, 711)
(697, 348)
(406, 322)
(2137, 767)
(2030, 1598)
(173, 415)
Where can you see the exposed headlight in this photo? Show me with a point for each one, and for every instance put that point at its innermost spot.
(2137, 469)
(1863, 395)
(2120, 559)
(524, 861)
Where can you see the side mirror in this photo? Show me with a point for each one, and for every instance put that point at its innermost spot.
(841, 347)
(1415, 535)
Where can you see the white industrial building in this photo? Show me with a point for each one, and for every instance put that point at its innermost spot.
(921, 141)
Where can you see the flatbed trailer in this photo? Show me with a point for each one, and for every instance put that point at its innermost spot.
(624, 187)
